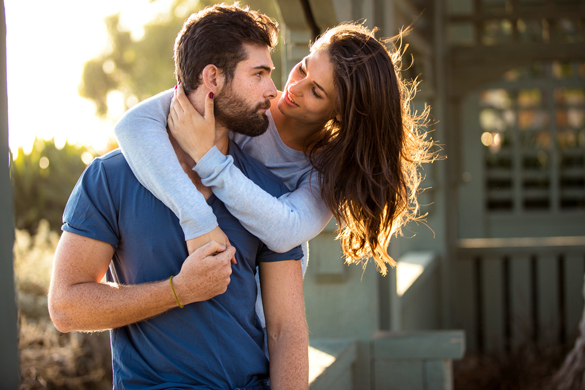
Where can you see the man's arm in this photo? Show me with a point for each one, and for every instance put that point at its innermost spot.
(286, 326)
(79, 302)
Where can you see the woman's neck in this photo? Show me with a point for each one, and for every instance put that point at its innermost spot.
(293, 133)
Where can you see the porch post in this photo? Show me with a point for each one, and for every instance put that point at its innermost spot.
(8, 336)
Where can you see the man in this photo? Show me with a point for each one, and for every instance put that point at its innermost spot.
(213, 339)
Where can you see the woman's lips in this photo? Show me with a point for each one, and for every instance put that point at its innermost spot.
(289, 100)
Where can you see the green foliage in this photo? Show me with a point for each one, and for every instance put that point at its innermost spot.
(49, 359)
(142, 68)
(41, 193)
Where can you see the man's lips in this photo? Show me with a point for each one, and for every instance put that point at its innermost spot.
(262, 108)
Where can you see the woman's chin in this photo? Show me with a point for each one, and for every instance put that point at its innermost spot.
(282, 105)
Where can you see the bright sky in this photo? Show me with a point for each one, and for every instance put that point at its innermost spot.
(47, 44)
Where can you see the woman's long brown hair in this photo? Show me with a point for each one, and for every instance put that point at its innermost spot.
(368, 156)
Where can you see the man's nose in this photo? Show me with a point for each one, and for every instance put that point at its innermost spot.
(271, 91)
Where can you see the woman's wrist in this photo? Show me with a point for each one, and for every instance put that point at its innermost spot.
(198, 153)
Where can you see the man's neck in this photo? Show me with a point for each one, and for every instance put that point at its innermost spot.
(222, 141)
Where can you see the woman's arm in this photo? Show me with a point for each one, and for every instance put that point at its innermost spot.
(142, 136)
(281, 223)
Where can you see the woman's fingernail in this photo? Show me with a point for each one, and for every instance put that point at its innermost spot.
(211, 95)
(175, 87)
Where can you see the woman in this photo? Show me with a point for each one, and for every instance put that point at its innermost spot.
(341, 137)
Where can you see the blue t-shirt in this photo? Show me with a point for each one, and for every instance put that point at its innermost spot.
(215, 344)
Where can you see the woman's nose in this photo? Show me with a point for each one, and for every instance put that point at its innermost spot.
(294, 88)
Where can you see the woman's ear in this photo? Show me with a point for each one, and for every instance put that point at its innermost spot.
(213, 78)
(338, 117)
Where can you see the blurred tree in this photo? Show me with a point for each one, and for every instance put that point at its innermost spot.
(42, 182)
(144, 67)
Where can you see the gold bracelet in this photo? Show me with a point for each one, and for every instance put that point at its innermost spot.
(176, 297)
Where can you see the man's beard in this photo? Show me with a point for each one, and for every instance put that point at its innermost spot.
(234, 113)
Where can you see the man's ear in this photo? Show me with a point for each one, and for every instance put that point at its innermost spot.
(213, 78)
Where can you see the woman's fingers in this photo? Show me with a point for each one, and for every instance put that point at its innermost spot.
(182, 100)
(175, 103)
(209, 107)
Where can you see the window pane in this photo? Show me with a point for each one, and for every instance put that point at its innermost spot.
(530, 98)
(569, 96)
(461, 34)
(533, 119)
(536, 140)
(460, 7)
(495, 32)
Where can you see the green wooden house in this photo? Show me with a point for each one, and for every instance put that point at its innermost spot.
(502, 260)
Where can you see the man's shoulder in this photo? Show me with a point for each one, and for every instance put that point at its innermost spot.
(113, 165)
(257, 172)
(113, 160)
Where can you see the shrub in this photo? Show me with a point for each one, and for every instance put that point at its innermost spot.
(48, 358)
(42, 182)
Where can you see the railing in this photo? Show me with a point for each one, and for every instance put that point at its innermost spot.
(404, 358)
(398, 360)
(415, 360)
(331, 364)
(511, 291)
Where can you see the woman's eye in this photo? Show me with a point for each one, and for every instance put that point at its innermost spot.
(302, 70)
(316, 94)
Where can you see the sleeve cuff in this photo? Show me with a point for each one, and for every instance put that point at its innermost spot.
(210, 162)
(204, 224)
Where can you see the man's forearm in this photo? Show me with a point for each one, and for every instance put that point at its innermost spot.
(95, 306)
(77, 301)
(289, 358)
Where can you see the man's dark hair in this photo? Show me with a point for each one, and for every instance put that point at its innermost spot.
(216, 35)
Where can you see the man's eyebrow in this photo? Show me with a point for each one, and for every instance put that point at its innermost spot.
(264, 67)
(314, 82)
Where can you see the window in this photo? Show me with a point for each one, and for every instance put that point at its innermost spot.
(533, 136)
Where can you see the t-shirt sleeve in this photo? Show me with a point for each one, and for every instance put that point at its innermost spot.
(267, 255)
(90, 210)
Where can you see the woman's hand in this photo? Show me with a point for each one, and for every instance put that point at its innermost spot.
(215, 235)
(194, 133)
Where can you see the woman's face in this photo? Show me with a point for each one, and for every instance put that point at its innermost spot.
(309, 95)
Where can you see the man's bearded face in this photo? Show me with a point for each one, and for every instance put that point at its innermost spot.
(235, 113)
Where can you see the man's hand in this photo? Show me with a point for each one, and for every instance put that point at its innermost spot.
(205, 273)
(194, 132)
